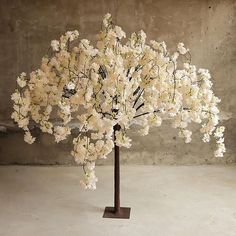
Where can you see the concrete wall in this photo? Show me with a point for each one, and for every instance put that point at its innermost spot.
(208, 27)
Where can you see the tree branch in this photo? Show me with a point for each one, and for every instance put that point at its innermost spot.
(145, 113)
(136, 100)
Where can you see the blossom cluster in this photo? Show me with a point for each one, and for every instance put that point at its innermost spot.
(128, 83)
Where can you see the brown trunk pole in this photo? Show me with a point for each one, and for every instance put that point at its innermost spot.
(116, 211)
(117, 173)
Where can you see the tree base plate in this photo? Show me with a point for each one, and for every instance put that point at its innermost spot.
(123, 214)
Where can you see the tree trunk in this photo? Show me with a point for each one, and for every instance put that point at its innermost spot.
(117, 211)
(117, 173)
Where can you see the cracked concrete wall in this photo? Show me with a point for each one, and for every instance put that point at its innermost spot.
(207, 27)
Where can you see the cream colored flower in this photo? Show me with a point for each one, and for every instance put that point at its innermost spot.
(28, 137)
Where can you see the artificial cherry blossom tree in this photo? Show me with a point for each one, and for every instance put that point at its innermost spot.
(116, 83)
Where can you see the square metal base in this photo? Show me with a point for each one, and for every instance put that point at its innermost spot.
(123, 214)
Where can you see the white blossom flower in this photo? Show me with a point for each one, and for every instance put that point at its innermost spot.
(90, 181)
(106, 19)
(220, 151)
(70, 86)
(16, 96)
(21, 80)
(55, 45)
(219, 132)
(186, 134)
(28, 137)
(61, 133)
(122, 139)
(182, 49)
(206, 138)
(72, 35)
(119, 32)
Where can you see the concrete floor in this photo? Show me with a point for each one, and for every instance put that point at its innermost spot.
(165, 201)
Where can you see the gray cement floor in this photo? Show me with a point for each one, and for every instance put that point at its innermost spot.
(165, 201)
